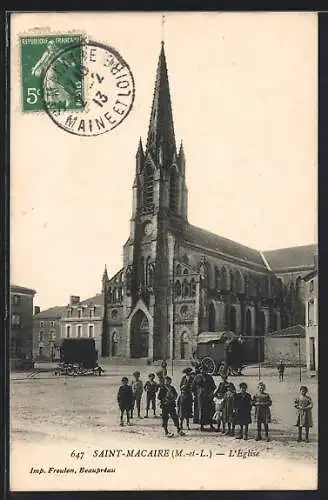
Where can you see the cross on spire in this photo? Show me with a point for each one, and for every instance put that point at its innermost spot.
(163, 26)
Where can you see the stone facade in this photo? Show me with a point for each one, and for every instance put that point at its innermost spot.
(21, 324)
(312, 320)
(47, 334)
(178, 280)
(83, 319)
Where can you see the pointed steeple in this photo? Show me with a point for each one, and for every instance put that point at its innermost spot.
(105, 276)
(140, 151)
(161, 139)
(181, 152)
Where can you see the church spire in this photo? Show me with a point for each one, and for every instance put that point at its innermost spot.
(105, 276)
(161, 139)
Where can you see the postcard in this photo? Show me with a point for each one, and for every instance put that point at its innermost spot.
(164, 258)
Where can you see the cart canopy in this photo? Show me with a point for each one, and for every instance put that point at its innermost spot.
(223, 336)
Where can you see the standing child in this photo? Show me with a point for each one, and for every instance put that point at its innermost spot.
(137, 389)
(168, 404)
(262, 402)
(164, 367)
(151, 388)
(304, 405)
(218, 402)
(243, 407)
(228, 407)
(281, 370)
(125, 400)
(185, 398)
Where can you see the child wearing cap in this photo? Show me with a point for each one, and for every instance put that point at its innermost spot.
(304, 405)
(151, 388)
(185, 399)
(243, 408)
(262, 402)
(168, 404)
(137, 389)
(125, 400)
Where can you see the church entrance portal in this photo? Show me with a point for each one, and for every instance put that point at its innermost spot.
(139, 338)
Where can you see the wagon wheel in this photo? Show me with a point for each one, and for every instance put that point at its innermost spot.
(210, 365)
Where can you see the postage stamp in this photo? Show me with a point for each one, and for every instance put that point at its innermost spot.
(108, 88)
(66, 75)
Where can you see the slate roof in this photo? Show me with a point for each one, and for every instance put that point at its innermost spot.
(58, 311)
(287, 258)
(292, 331)
(52, 312)
(97, 300)
(217, 243)
(22, 289)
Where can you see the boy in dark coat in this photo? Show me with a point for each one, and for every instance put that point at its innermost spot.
(125, 400)
(281, 370)
(243, 408)
(151, 388)
(168, 396)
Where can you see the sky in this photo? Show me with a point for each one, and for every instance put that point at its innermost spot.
(244, 97)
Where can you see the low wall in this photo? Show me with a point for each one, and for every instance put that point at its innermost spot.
(286, 348)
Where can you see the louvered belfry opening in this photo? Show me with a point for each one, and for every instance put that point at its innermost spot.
(148, 190)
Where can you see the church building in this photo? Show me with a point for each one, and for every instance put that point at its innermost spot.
(178, 280)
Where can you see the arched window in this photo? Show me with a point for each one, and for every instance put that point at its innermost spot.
(246, 285)
(217, 279)
(128, 280)
(193, 287)
(211, 318)
(142, 272)
(114, 344)
(232, 282)
(178, 270)
(299, 288)
(185, 271)
(239, 283)
(177, 289)
(248, 326)
(148, 189)
(224, 278)
(185, 289)
(274, 325)
(174, 190)
(233, 319)
(183, 345)
(150, 275)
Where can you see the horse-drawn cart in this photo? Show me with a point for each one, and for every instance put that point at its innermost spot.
(221, 351)
(78, 357)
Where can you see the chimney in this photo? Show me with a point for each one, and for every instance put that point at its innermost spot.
(74, 300)
(36, 310)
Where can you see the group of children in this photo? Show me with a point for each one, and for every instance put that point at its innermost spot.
(230, 408)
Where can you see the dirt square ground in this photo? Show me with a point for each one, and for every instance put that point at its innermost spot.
(80, 413)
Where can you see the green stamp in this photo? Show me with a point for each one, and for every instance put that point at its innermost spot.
(52, 70)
